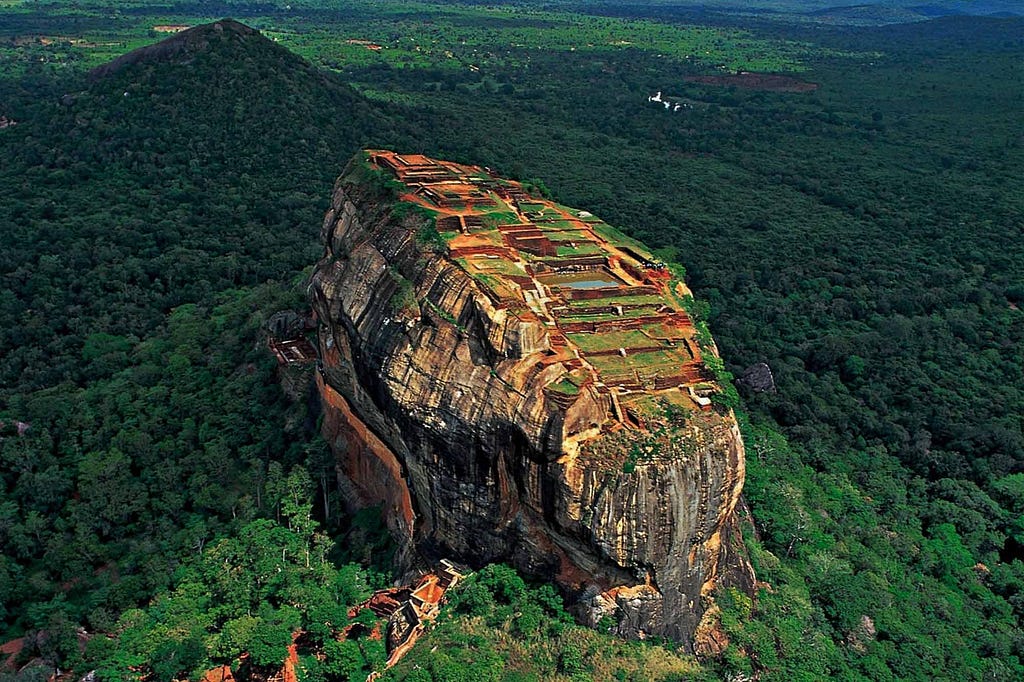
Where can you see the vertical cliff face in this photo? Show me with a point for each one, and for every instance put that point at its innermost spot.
(512, 380)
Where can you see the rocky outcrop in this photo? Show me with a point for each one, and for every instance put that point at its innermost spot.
(758, 378)
(438, 403)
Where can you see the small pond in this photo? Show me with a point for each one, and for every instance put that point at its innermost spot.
(590, 279)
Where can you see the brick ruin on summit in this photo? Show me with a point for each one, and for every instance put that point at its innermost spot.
(613, 313)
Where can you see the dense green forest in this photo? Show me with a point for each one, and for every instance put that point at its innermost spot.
(864, 239)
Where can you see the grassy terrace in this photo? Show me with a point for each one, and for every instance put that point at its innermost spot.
(565, 386)
(501, 287)
(542, 213)
(495, 218)
(570, 384)
(645, 299)
(597, 312)
(488, 237)
(555, 225)
(664, 331)
(673, 297)
(590, 343)
(604, 317)
(532, 207)
(582, 248)
(491, 266)
(648, 364)
(563, 233)
(596, 317)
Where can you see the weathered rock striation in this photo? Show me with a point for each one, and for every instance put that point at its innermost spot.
(512, 380)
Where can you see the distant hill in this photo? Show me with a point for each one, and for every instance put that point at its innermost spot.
(164, 180)
(216, 143)
(867, 15)
(935, 8)
(232, 74)
(191, 43)
(896, 12)
(829, 11)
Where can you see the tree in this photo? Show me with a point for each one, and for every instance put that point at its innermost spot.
(343, 660)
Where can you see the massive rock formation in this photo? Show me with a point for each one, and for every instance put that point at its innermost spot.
(513, 380)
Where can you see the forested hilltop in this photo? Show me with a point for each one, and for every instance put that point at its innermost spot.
(863, 237)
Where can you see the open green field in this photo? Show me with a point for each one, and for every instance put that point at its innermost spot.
(442, 39)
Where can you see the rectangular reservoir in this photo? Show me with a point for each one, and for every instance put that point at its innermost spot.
(589, 279)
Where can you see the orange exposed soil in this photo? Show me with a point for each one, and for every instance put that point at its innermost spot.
(429, 593)
(10, 650)
(288, 673)
(757, 81)
(221, 674)
(368, 44)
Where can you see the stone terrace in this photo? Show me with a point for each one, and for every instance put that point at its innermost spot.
(614, 314)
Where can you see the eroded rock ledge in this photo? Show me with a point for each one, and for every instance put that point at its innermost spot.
(514, 380)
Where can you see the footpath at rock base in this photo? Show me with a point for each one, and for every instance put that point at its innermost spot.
(513, 380)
